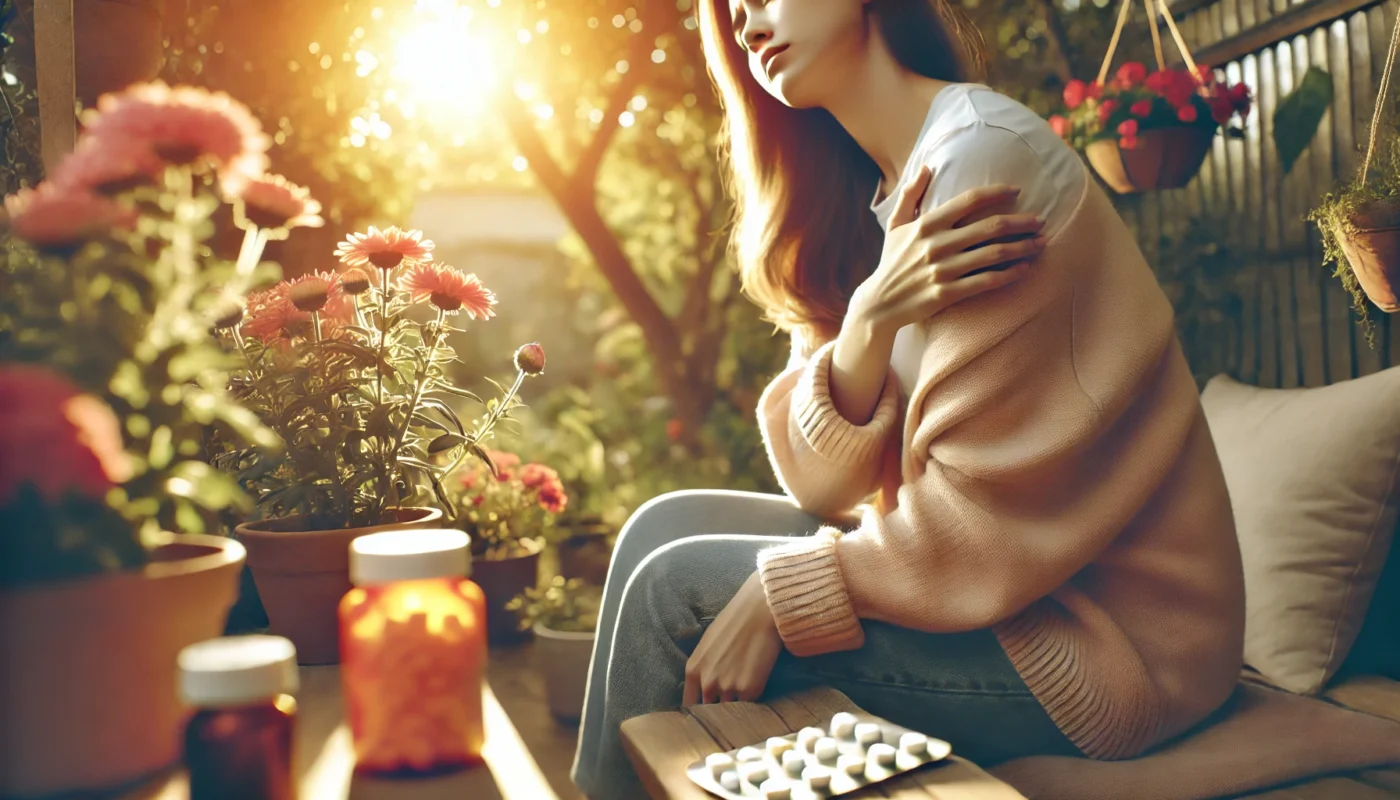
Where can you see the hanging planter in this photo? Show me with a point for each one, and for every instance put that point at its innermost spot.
(1360, 223)
(1145, 131)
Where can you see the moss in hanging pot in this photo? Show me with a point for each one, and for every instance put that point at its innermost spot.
(1360, 228)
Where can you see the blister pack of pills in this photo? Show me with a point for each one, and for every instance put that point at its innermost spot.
(849, 754)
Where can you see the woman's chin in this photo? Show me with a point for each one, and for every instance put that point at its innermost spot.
(794, 92)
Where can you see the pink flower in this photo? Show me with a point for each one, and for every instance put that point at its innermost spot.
(1128, 128)
(503, 458)
(450, 290)
(1221, 109)
(184, 125)
(1142, 108)
(272, 201)
(108, 166)
(534, 475)
(76, 435)
(1106, 109)
(385, 249)
(1131, 74)
(1075, 93)
(553, 498)
(1060, 126)
(1128, 142)
(1187, 113)
(275, 319)
(53, 218)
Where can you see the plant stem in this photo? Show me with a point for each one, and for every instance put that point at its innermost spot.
(496, 412)
(316, 324)
(419, 384)
(383, 331)
(254, 241)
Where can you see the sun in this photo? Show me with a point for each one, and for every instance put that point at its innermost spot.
(444, 62)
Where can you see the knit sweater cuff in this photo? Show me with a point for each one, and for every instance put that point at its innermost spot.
(828, 433)
(808, 596)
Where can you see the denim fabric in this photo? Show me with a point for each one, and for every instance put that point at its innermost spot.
(666, 584)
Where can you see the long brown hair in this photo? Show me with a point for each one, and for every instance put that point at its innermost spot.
(804, 239)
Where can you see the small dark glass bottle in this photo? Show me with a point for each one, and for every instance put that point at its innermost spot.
(238, 744)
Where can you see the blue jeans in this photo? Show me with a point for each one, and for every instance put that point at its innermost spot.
(680, 559)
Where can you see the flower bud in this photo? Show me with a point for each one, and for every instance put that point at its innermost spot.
(230, 317)
(529, 359)
(310, 293)
(354, 281)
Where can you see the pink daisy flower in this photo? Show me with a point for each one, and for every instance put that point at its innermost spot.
(108, 166)
(272, 201)
(385, 249)
(281, 314)
(184, 125)
(52, 218)
(450, 290)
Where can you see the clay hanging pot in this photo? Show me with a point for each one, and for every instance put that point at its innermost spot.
(1372, 249)
(88, 697)
(1165, 158)
(302, 572)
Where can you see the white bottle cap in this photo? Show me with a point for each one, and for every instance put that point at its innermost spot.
(408, 556)
(234, 670)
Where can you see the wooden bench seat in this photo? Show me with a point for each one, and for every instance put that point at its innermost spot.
(662, 744)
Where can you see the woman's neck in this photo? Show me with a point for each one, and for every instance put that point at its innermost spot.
(883, 106)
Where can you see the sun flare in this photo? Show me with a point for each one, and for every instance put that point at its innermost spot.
(444, 61)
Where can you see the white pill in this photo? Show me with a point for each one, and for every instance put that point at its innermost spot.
(817, 778)
(843, 724)
(729, 781)
(882, 754)
(718, 763)
(793, 762)
(825, 749)
(749, 754)
(851, 765)
(867, 733)
(753, 773)
(778, 745)
(915, 744)
(775, 789)
(807, 738)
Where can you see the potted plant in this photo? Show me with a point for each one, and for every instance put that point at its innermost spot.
(1144, 131)
(508, 509)
(351, 372)
(564, 618)
(1360, 227)
(110, 379)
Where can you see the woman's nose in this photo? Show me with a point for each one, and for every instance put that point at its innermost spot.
(755, 36)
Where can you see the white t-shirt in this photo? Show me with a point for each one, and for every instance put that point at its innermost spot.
(975, 137)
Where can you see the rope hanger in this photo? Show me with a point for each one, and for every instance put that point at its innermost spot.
(1161, 8)
(1381, 95)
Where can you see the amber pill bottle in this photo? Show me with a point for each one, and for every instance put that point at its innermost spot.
(413, 653)
(238, 744)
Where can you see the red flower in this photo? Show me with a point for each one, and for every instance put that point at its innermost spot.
(1158, 81)
(1075, 93)
(478, 500)
(1187, 113)
(1131, 74)
(553, 498)
(1142, 108)
(674, 429)
(55, 438)
(1106, 109)
(1060, 126)
(450, 290)
(1221, 109)
(1206, 74)
(1241, 98)
(1095, 91)
(1128, 142)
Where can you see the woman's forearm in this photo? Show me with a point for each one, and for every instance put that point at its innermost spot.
(859, 363)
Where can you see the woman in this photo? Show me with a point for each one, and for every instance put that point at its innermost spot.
(1050, 565)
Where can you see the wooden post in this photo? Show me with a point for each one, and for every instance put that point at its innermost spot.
(57, 79)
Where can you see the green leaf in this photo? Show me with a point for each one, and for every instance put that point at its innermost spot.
(446, 411)
(424, 419)
(447, 441)
(485, 457)
(423, 465)
(450, 389)
(1299, 114)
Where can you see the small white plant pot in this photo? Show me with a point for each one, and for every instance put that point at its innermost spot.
(562, 657)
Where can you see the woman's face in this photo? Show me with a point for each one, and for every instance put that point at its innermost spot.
(800, 51)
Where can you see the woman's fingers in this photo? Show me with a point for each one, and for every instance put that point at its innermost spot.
(973, 285)
(958, 266)
(691, 695)
(906, 208)
(988, 230)
(948, 215)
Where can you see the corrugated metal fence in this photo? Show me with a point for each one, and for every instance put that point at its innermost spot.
(1290, 322)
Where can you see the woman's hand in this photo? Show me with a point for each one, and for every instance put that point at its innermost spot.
(737, 652)
(932, 261)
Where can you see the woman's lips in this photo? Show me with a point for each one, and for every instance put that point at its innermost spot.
(768, 56)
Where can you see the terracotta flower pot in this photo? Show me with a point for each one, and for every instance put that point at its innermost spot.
(587, 553)
(301, 575)
(88, 695)
(1373, 251)
(562, 657)
(501, 579)
(1165, 158)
